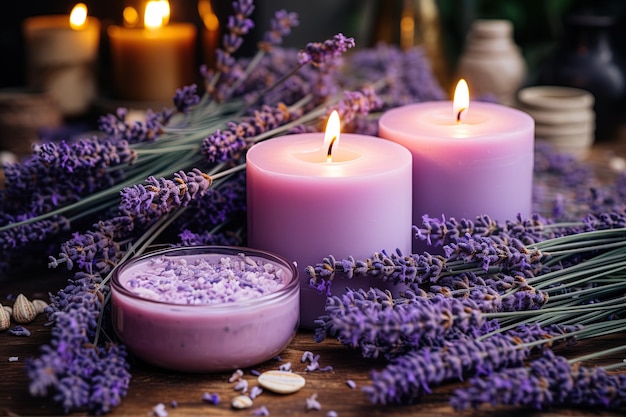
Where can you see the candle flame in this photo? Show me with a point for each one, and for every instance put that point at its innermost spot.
(461, 100)
(157, 14)
(131, 17)
(331, 135)
(209, 18)
(78, 16)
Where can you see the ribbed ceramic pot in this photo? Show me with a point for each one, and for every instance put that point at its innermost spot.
(564, 117)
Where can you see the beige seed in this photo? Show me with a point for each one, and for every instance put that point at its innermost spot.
(5, 319)
(8, 309)
(281, 382)
(40, 306)
(23, 310)
(241, 401)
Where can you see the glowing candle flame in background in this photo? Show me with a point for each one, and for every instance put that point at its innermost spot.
(461, 100)
(78, 16)
(157, 14)
(331, 135)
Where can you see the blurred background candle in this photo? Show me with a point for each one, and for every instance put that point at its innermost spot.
(305, 207)
(61, 56)
(210, 32)
(151, 62)
(468, 159)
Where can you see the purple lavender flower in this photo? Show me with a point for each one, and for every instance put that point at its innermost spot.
(318, 53)
(229, 144)
(76, 372)
(378, 324)
(408, 74)
(186, 97)
(357, 103)
(548, 382)
(162, 195)
(280, 26)
(411, 375)
(118, 127)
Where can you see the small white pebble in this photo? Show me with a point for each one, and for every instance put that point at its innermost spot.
(241, 401)
(13, 358)
(281, 382)
(617, 164)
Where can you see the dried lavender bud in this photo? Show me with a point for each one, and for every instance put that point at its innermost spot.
(255, 391)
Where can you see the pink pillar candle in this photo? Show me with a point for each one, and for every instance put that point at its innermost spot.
(305, 208)
(481, 165)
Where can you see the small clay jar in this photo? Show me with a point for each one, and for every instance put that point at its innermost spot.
(491, 62)
(564, 117)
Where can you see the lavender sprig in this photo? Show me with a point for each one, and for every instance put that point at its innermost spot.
(410, 376)
(319, 53)
(547, 382)
(372, 318)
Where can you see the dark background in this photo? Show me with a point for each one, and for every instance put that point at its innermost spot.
(538, 23)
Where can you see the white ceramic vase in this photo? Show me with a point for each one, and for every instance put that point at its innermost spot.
(491, 62)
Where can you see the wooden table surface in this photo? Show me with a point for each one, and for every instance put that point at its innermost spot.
(150, 385)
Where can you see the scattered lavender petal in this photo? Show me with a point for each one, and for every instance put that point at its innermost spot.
(312, 403)
(236, 376)
(13, 358)
(255, 391)
(285, 366)
(159, 410)
(241, 385)
(332, 413)
(19, 331)
(261, 411)
(211, 398)
(351, 383)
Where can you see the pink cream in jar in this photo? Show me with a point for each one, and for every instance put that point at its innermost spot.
(206, 309)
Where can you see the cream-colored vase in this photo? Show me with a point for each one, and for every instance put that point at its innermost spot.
(491, 62)
(564, 117)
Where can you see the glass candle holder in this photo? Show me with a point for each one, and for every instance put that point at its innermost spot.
(211, 336)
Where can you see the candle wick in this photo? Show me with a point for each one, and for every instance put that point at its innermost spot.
(329, 155)
(458, 115)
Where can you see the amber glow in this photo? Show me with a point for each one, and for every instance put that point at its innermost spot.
(461, 101)
(131, 17)
(157, 14)
(209, 18)
(78, 16)
(331, 135)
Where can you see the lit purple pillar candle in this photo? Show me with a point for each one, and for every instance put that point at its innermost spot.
(468, 160)
(305, 207)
